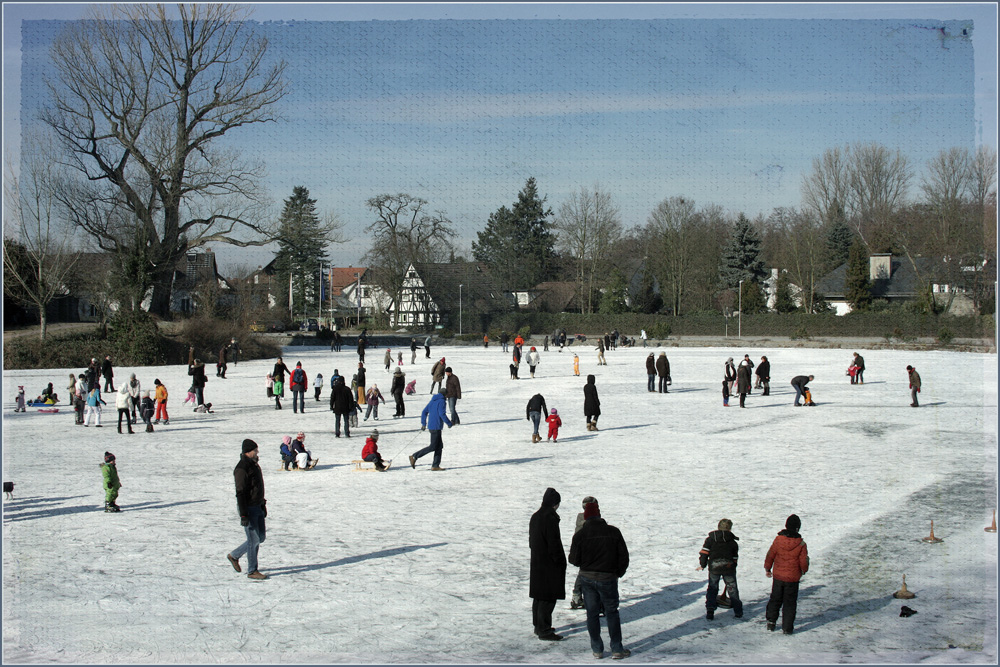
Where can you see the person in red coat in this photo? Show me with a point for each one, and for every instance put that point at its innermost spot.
(789, 558)
(554, 423)
(370, 451)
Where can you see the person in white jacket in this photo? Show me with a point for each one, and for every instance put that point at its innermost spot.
(533, 360)
(124, 402)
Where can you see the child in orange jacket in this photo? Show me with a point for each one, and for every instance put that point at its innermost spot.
(576, 364)
(554, 423)
(161, 402)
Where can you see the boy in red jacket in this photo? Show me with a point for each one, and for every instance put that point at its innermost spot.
(790, 559)
(554, 423)
(370, 452)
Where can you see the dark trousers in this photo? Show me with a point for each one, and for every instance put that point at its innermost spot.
(298, 400)
(128, 419)
(663, 385)
(743, 397)
(427, 351)
(109, 384)
(437, 444)
(712, 595)
(913, 395)
(767, 387)
(347, 424)
(541, 616)
(318, 390)
(400, 407)
(784, 597)
(199, 395)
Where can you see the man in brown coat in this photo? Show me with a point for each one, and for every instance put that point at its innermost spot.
(914, 385)
(452, 392)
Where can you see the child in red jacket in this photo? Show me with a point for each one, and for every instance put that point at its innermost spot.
(370, 452)
(554, 424)
(789, 557)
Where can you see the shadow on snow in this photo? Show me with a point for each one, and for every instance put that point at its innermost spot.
(385, 553)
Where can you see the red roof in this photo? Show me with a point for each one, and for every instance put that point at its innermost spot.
(341, 277)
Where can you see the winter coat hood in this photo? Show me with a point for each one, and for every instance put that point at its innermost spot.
(591, 379)
(551, 498)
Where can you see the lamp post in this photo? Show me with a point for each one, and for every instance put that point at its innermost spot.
(460, 309)
(739, 330)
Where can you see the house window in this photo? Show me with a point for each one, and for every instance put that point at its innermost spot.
(186, 305)
(411, 274)
(93, 310)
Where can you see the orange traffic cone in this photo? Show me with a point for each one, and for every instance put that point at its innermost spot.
(930, 538)
(992, 528)
(902, 593)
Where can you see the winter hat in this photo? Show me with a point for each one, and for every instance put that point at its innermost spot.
(532, 348)
(249, 445)
(298, 364)
(442, 391)
(145, 393)
(729, 360)
(398, 371)
(551, 498)
(375, 434)
(591, 510)
(109, 457)
(336, 372)
(589, 499)
(21, 387)
(793, 523)
(909, 368)
(286, 439)
(300, 435)
(156, 381)
(553, 411)
(447, 370)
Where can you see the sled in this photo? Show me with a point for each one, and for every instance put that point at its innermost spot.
(49, 410)
(369, 466)
(38, 404)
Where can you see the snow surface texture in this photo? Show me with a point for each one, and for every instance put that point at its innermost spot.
(414, 566)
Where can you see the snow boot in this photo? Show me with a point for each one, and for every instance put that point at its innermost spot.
(413, 463)
(771, 625)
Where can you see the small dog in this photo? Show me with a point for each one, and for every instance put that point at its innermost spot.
(513, 372)
(8, 490)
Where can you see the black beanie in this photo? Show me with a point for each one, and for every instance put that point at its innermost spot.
(249, 445)
(109, 457)
(551, 498)
(793, 523)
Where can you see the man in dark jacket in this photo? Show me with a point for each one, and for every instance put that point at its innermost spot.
(252, 507)
(859, 375)
(763, 373)
(547, 582)
(591, 403)
(799, 383)
(298, 384)
(534, 410)
(789, 557)
(452, 392)
(198, 381)
(663, 371)
(599, 550)
(743, 382)
(650, 372)
(221, 365)
(93, 375)
(342, 404)
(108, 372)
(720, 553)
(398, 385)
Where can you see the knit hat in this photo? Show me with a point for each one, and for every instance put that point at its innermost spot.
(286, 439)
(442, 391)
(300, 435)
(375, 434)
(551, 498)
(909, 368)
(447, 370)
(249, 445)
(553, 411)
(729, 360)
(398, 371)
(298, 364)
(109, 457)
(793, 522)
(589, 499)
(156, 381)
(532, 348)
(591, 510)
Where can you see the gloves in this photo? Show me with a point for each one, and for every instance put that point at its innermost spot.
(263, 506)
(244, 521)
(423, 428)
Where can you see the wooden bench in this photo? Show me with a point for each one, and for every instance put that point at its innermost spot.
(363, 465)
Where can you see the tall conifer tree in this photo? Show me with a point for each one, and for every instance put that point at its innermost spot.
(301, 249)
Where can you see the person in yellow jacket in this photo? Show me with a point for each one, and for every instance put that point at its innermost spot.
(161, 402)
(576, 364)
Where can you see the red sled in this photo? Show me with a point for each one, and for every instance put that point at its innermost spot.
(50, 410)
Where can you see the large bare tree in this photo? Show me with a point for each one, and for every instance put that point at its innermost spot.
(802, 249)
(39, 246)
(588, 224)
(139, 101)
(674, 232)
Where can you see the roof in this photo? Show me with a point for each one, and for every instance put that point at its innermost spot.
(554, 296)
(341, 277)
(902, 283)
(478, 289)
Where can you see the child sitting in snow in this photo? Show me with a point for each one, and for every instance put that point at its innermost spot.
(287, 456)
(370, 452)
(303, 457)
(411, 387)
(146, 409)
(554, 423)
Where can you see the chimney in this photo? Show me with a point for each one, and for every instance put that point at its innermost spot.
(880, 266)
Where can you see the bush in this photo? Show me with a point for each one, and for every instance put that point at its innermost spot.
(525, 332)
(800, 334)
(945, 336)
(660, 330)
(135, 340)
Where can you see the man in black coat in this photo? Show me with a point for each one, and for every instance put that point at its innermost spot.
(108, 372)
(743, 382)
(342, 404)
(599, 550)
(650, 372)
(720, 553)
(763, 373)
(663, 371)
(799, 383)
(252, 508)
(547, 582)
(859, 376)
(397, 388)
(591, 403)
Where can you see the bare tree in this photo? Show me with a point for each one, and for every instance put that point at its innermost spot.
(403, 233)
(878, 179)
(139, 99)
(39, 246)
(674, 232)
(825, 190)
(802, 249)
(982, 186)
(588, 224)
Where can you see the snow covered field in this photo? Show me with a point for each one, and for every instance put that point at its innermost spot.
(412, 566)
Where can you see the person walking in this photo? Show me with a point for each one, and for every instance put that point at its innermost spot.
(94, 403)
(914, 386)
(387, 359)
(763, 373)
(533, 360)
(743, 382)
(452, 392)
(799, 383)
(252, 508)
(161, 396)
(533, 411)
(643, 336)
(109, 474)
(789, 558)
(547, 577)
(720, 553)
(124, 404)
(396, 389)
(298, 385)
(663, 373)
(221, 365)
(650, 372)
(362, 380)
(342, 404)
(432, 418)
(599, 550)
(362, 344)
(516, 362)
(199, 380)
(591, 403)
(109, 373)
(437, 375)
(413, 351)
(234, 349)
(600, 352)
(427, 347)
(859, 364)
(134, 394)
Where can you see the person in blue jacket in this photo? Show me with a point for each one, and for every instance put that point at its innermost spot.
(434, 415)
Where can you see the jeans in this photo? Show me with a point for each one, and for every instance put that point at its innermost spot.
(128, 419)
(798, 393)
(199, 394)
(784, 596)
(663, 385)
(595, 595)
(298, 400)
(451, 406)
(913, 395)
(255, 535)
(650, 381)
(372, 406)
(712, 595)
(347, 424)
(536, 418)
(436, 446)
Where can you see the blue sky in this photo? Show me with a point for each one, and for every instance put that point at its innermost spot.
(460, 104)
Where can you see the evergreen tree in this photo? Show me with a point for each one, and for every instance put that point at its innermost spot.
(647, 300)
(742, 258)
(614, 298)
(783, 302)
(517, 243)
(857, 286)
(302, 240)
(754, 299)
(839, 238)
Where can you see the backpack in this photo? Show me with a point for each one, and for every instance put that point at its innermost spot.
(285, 451)
(298, 376)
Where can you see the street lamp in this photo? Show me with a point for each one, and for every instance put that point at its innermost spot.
(460, 309)
(739, 330)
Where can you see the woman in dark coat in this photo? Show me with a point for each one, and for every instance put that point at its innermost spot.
(547, 580)
(198, 380)
(764, 375)
(743, 382)
(591, 403)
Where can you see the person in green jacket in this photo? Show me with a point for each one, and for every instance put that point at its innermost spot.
(111, 483)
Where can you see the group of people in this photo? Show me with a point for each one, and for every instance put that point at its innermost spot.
(131, 400)
(740, 377)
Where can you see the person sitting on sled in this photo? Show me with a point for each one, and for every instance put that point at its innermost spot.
(370, 452)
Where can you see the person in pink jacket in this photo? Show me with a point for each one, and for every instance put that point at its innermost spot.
(789, 558)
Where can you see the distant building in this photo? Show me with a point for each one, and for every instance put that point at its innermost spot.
(452, 294)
